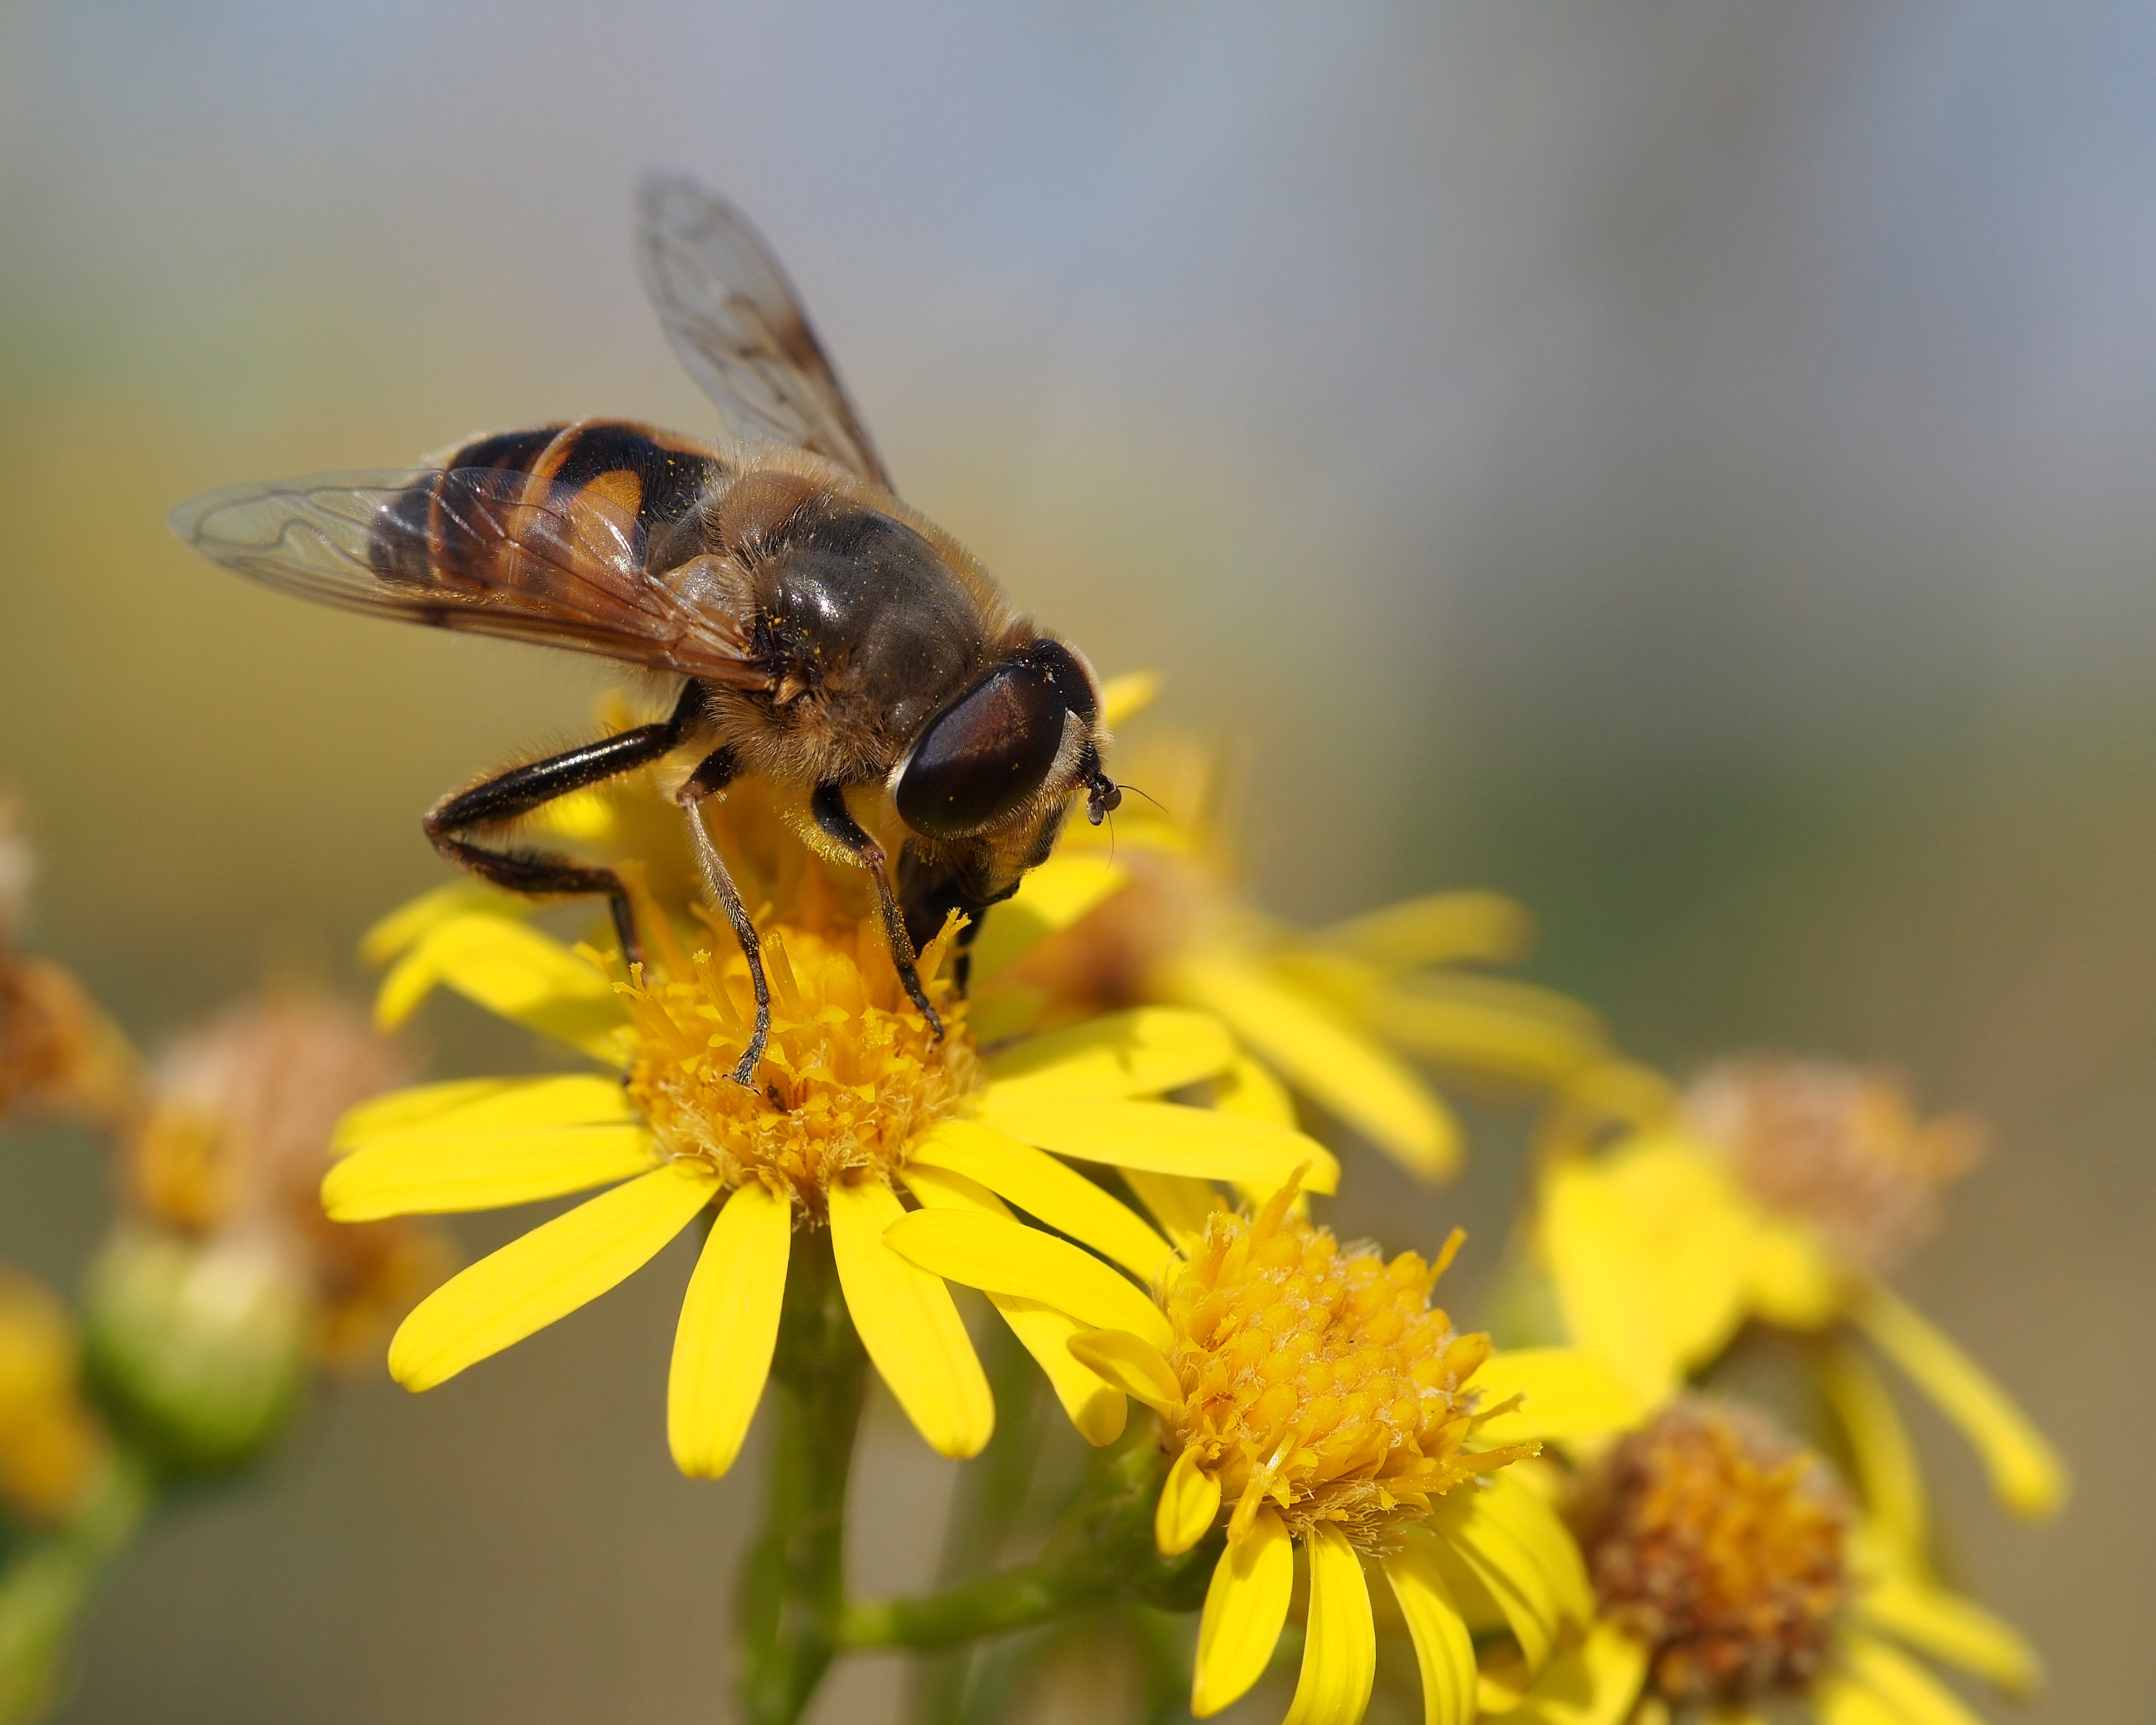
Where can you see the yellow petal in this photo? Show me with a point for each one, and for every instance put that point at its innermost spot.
(1179, 1203)
(1007, 1257)
(2026, 1472)
(1594, 1683)
(1443, 1649)
(1472, 1578)
(1438, 928)
(1246, 1605)
(1489, 1024)
(410, 922)
(1124, 697)
(1066, 1200)
(1139, 1053)
(1250, 1090)
(1888, 1478)
(1336, 1065)
(1948, 1627)
(1189, 1504)
(907, 1323)
(1340, 1647)
(1005, 1010)
(1647, 1248)
(1912, 1692)
(1049, 899)
(1133, 1365)
(517, 972)
(1531, 1519)
(1166, 1139)
(572, 1100)
(1096, 1409)
(1567, 1393)
(729, 1325)
(1795, 1280)
(436, 1170)
(1839, 1700)
(546, 1275)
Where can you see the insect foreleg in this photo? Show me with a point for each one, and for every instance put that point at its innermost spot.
(714, 776)
(521, 790)
(828, 804)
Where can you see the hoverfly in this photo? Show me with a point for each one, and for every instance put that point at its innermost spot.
(826, 638)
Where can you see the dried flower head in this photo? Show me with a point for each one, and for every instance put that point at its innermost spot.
(1723, 1544)
(236, 1140)
(1842, 1146)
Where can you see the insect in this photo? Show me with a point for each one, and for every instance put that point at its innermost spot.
(826, 637)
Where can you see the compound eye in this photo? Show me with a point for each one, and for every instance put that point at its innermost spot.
(985, 754)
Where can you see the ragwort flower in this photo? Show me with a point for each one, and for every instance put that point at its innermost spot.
(1731, 1570)
(1339, 1014)
(1772, 1191)
(858, 1100)
(1310, 1398)
(1148, 909)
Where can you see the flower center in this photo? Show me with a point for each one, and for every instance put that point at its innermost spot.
(1319, 1380)
(1842, 1148)
(851, 1077)
(1721, 1543)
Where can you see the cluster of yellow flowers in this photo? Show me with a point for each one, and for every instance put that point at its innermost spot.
(1112, 1142)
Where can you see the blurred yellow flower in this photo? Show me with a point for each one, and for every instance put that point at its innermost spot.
(52, 1447)
(1339, 1014)
(858, 1102)
(1310, 1396)
(1732, 1571)
(1776, 1192)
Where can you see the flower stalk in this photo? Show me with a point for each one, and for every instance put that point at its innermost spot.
(44, 1589)
(793, 1587)
(1102, 1552)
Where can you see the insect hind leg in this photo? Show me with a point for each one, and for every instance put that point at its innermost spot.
(828, 804)
(721, 883)
(504, 798)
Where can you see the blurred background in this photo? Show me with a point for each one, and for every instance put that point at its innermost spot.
(1685, 465)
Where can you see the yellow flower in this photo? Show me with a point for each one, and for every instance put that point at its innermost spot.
(52, 1447)
(1147, 910)
(1659, 1245)
(1310, 1396)
(1730, 1569)
(859, 1105)
(1337, 1013)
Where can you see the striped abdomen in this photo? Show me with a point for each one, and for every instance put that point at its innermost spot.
(593, 504)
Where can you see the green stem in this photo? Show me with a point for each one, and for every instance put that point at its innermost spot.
(793, 1591)
(50, 1580)
(1102, 1552)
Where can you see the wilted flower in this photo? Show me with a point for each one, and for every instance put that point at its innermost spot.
(225, 1282)
(59, 1054)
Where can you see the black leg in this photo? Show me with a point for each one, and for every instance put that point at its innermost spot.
(713, 776)
(828, 804)
(521, 790)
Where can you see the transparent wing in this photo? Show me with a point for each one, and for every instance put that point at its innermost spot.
(738, 326)
(484, 551)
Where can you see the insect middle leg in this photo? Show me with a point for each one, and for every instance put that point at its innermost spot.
(521, 790)
(828, 804)
(713, 776)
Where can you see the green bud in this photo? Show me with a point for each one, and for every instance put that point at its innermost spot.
(198, 1347)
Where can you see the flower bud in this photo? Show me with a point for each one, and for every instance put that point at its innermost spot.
(199, 1348)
